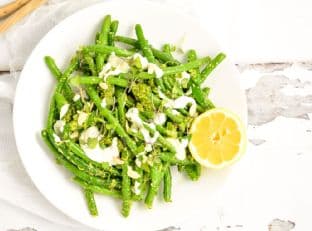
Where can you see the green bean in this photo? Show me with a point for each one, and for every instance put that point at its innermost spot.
(60, 100)
(51, 115)
(126, 186)
(146, 49)
(69, 166)
(111, 34)
(163, 56)
(85, 80)
(127, 40)
(103, 40)
(89, 195)
(73, 65)
(105, 29)
(161, 140)
(52, 67)
(104, 49)
(166, 48)
(177, 118)
(191, 55)
(201, 98)
(167, 185)
(170, 158)
(96, 188)
(82, 164)
(75, 148)
(89, 60)
(186, 66)
(111, 119)
(58, 74)
(144, 75)
(121, 103)
(157, 174)
(165, 132)
(211, 66)
(93, 80)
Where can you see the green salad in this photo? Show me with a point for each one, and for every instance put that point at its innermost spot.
(119, 117)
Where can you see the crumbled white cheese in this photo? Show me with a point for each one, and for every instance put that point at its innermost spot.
(103, 103)
(132, 174)
(160, 118)
(136, 188)
(109, 154)
(57, 139)
(179, 147)
(153, 68)
(82, 117)
(103, 85)
(106, 68)
(138, 162)
(59, 127)
(76, 97)
(147, 137)
(143, 61)
(133, 116)
(91, 132)
(114, 66)
(64, 110)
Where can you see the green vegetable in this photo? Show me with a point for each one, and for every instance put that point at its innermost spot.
(126, 184)
(89, 195)
(167, 185)
(104, 49)
(103, 40)
(128, 110)
(146, 49)
(211, 66)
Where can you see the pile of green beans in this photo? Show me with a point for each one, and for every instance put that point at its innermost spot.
(81, 89)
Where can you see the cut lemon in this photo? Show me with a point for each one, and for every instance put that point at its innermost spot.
(218, 138)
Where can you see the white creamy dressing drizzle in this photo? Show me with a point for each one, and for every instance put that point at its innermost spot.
(133, 116)
(160, 118)
(109, 154)
(179, 103)
(180, 147)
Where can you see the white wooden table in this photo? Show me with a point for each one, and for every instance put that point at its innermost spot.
(274, 193)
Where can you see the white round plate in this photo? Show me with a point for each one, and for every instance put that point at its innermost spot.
(161, 24)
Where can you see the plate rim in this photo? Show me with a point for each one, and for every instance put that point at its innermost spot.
(34, 51)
